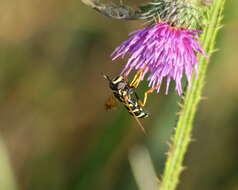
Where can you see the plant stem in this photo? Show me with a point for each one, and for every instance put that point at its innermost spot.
(182, 136)
(7, 180)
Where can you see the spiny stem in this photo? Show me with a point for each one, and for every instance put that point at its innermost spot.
(182, 136)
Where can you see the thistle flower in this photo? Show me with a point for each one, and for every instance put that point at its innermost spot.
(162, 51)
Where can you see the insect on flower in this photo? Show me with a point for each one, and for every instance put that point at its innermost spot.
(163, 51)
(125, 93)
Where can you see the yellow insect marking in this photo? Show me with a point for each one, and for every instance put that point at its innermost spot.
(135, 110)
(129, 105)
(141, 114)
(120, 78)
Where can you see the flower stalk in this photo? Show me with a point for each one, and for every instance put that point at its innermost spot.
(182, 136)
(7, 177)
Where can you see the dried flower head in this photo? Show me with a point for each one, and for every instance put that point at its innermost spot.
(162, 51)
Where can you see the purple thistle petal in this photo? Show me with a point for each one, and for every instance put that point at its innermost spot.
(163, 52)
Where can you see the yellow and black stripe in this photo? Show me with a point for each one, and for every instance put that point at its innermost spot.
(135, 109)
(124, 93)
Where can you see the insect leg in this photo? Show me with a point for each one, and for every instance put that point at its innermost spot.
(146, 96)
(138, 100)
(136, 80)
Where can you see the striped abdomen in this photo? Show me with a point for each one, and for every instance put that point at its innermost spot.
(135, 109)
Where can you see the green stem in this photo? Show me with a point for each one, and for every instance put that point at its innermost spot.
(7, 180)
(182, 136)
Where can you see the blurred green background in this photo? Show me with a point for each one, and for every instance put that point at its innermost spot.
(53, 125)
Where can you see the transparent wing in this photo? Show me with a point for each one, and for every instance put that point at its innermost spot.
(134, 116)
(111, 103)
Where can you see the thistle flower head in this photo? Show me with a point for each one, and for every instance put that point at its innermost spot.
(163, 52)
(174, 12)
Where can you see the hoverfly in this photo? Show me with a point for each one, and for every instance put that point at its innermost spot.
(125, 93)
